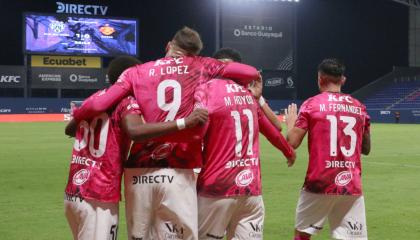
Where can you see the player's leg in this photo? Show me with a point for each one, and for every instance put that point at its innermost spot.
(311, 213)
(106, 220)
(214, 215)
(176, 200)
(91, 220)
(348, 218)
(138, 202)
(248, 219)
(72, 217)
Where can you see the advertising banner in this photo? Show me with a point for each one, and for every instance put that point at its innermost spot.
(279, 84)
(263, 31)
(12, 76)
(65, 61)
(68, 78)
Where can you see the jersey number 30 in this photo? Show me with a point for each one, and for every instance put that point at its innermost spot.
(94, 131)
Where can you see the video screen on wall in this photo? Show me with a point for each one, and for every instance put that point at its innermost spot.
(79, 35)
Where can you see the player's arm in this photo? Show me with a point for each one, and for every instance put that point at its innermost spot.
(295, 134)
(268, 112)
(276, 139)
(366, 135)
(366, 143)
(138, 130)
(71, 128)
(256, 89)
(238, 72)
(102, 102)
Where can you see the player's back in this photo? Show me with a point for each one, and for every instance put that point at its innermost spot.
(335, 123)
(231, 145)
(165, 92)
(99, 150)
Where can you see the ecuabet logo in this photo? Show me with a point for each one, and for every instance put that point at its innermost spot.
(57, 26)
(244, 178)
(81, 177)
(343, 178)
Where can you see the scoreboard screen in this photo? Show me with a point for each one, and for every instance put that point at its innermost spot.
(79, 35)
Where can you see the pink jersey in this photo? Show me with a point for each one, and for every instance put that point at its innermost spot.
(335, 123)
(164, 90)
(231, 144)
(99, 150)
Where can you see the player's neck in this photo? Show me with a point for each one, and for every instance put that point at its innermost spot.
(331, 88)
(175, 52)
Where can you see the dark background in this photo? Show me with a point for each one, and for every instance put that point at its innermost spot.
(369, 36)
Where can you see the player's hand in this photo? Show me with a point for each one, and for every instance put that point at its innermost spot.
(290, 114)
(198, 117)
(291, 160)
(256, 87)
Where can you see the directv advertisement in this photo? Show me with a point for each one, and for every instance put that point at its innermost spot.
(77, 35)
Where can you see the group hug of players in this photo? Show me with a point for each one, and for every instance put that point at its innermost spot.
(162, 121)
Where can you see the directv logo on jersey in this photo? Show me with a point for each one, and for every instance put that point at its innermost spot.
(81, 9)
(9, 79)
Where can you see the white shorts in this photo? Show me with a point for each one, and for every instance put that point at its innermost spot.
(161, 203)
(237, 217)
(346, 215)
(91, 220)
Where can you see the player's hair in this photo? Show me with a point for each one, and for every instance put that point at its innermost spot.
(332, 67)
(228, 53)
(188, 40)
(118, 65)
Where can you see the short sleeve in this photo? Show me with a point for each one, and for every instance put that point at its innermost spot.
(303, 116)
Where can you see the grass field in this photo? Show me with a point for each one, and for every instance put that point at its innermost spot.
(34, 159)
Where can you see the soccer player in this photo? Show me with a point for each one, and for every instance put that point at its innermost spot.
(157, 172)
(101, 145)
(229, 184)
(338, 132)
(231, 55)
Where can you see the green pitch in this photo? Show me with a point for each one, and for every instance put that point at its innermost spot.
(34, 159)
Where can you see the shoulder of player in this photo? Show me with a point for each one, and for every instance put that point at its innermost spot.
(126, 104)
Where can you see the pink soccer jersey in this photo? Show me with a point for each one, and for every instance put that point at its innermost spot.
(336, 123)
(164, 90)
(99, 150)
(231, 144)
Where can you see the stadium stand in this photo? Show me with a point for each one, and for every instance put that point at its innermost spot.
(398, 95)
(397, 91)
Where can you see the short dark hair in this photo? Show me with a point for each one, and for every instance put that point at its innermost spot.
(332, 67)
(188, 40)
(228, 53)
(118, 65)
